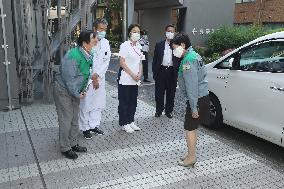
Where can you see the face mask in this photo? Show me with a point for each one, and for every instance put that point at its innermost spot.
(178, 51)
(101, 34)
(135, 36)
(170, 35)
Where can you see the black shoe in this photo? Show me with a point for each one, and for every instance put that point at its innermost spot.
(87, 134)
(146, 81)
(97, 131)
(70, 154)
(169, 115)
(78, 148)
(158, 114)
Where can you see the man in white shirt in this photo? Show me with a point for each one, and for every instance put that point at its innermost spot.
(95, 101)
(165, 71)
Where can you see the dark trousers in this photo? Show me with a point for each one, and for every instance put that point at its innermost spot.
(165, 82)
(127, 97)
(145, 65)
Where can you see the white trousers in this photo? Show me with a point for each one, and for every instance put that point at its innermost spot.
(90, 120)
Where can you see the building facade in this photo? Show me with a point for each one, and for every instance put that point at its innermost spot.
(34, 35)
(263, 12)
(198, 18)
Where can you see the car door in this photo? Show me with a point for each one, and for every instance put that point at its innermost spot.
(218, 80)
(255, 90)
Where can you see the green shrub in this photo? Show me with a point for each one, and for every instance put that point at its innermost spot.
(229, 37)
(202, 51)
(206, 55)
(114, 40)
(115, 44)
(275, 30)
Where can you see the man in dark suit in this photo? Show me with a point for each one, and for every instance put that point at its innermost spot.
(165, 72)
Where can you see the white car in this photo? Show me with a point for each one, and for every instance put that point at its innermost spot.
(247, 88)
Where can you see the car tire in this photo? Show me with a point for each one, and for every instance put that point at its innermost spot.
(216, 116)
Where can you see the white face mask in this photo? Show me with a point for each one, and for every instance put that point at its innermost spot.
(135, 36)
(101, 34)
(178, 51)
(170, 35)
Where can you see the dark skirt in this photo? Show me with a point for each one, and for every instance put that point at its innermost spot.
(191, 123)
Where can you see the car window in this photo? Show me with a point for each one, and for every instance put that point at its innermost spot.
(264, 57)
(225, 64)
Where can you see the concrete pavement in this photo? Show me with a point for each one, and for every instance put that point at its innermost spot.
(30, 156)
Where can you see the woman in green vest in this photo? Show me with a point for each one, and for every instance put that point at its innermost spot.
(69, 87)
(193, 84)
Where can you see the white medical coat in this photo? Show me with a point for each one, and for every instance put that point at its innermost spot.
(96, 98)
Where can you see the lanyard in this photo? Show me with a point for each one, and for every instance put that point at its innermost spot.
(139, 54)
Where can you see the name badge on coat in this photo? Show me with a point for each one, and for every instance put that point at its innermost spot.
(186, 67)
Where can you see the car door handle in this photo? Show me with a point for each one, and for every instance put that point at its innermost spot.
(277, 88)
(221, 77)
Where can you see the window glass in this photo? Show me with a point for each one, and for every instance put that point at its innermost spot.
(225, 64)
(264, 57)
(244, 1)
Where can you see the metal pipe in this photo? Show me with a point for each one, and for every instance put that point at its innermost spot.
(5, 47)
(260, 13)
(125, 20)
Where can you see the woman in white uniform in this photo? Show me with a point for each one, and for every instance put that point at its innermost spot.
(129, 76)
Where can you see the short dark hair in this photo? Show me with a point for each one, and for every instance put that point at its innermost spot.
(99, 21)
(181, 38)
(85, 36)
(131, 26)
(169, 26)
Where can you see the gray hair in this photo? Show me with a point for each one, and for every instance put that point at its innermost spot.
(100, 21)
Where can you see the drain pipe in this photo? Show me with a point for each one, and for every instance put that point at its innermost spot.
(125, 20)
(6, 63)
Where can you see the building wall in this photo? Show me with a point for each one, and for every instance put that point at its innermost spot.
(131, 14)
(205, 16)
(11, 58)
(154, 21)
(271, 11)
(202, 17)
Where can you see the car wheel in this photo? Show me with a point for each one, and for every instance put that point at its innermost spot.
(216, 117)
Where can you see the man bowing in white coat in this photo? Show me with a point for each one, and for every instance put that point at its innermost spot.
(92, 105)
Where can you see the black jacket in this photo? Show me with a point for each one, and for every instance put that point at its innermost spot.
(158, 60)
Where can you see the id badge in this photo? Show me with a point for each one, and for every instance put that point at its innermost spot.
(143, 57)
(186, 67)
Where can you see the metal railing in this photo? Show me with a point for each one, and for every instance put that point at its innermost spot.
(6, 62)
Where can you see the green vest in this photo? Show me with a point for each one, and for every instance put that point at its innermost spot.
(83, 64)
(190, 56)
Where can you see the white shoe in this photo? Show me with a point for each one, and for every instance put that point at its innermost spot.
(134, 127)
(127, 128)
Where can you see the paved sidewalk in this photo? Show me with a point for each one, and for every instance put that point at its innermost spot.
(30, 156)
